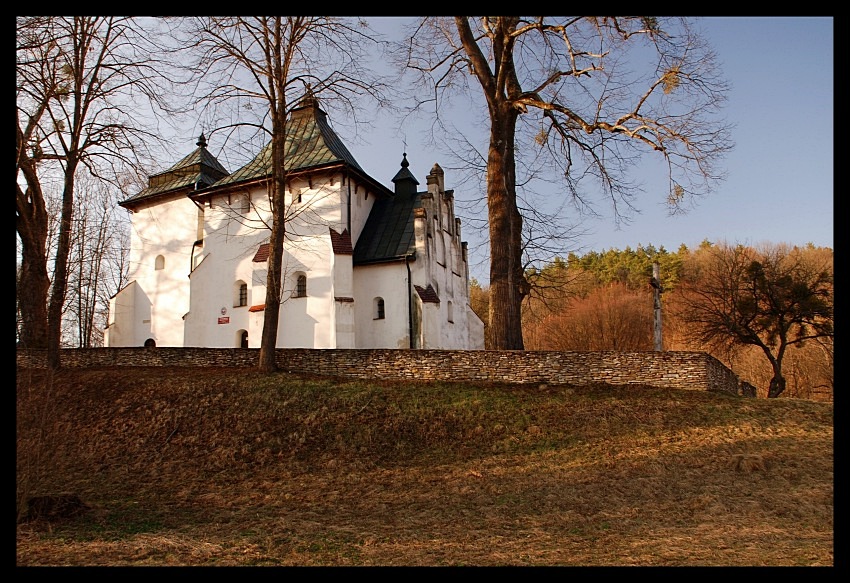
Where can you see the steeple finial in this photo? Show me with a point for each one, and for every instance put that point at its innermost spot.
(202, 141)
(405, 182)
(309, 99)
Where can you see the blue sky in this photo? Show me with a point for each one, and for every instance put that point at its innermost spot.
(780, 176)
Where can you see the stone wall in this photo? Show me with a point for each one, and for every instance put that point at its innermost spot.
(680, 370)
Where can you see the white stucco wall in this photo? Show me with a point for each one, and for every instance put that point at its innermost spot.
(475, 327)
(362, 200)
(231, 236)
(214, 316)
(231, 240)
(305, 322)
(431, 319)
(387, 281)
(441, 263)
(167, 229)
(121, 330)
(342, 293)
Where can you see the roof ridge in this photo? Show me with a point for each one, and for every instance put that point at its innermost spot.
(310, 142)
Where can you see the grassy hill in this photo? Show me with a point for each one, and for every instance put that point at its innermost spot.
(215, 467)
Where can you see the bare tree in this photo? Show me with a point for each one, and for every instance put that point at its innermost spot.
(277, 61)
(596, 93)
(771, 298)
(97, 263)
(79, 81)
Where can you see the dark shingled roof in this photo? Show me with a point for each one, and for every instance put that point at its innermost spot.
(341, 242)
(388, 233)
(310, 142)
(262, 253)
(427, 294)
(198, 170)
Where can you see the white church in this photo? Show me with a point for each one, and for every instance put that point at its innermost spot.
(364, 266)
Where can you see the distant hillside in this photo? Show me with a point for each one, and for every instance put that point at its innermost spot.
(230, 467)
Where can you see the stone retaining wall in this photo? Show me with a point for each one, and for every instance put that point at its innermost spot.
(680, 370)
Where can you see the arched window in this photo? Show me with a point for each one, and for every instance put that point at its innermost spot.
(300, 286)
(243, 339)
(450, 310)
(379, 309)
(150, 343)
(245, 205)
(241, 290)
(159, 262)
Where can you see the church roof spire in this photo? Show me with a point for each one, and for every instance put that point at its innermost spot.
(404, 180)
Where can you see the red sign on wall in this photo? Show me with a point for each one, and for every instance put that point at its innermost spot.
(225, 320)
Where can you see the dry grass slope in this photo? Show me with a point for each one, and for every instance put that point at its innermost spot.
(229, 467)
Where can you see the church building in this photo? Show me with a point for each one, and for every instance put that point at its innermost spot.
(364, 266)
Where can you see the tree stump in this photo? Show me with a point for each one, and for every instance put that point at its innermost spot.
(747, 463)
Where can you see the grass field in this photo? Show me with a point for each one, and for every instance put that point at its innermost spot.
(200, 467)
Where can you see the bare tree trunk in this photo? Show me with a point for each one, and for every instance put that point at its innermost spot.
(777, 385)
(271, 315)
(94, 282)
(31, 223)
(33, 286)
(91, 240)
(507, 282)
(60, 270)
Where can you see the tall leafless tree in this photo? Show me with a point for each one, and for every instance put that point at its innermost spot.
(596, 93)
(79, 83)
(275, 61)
